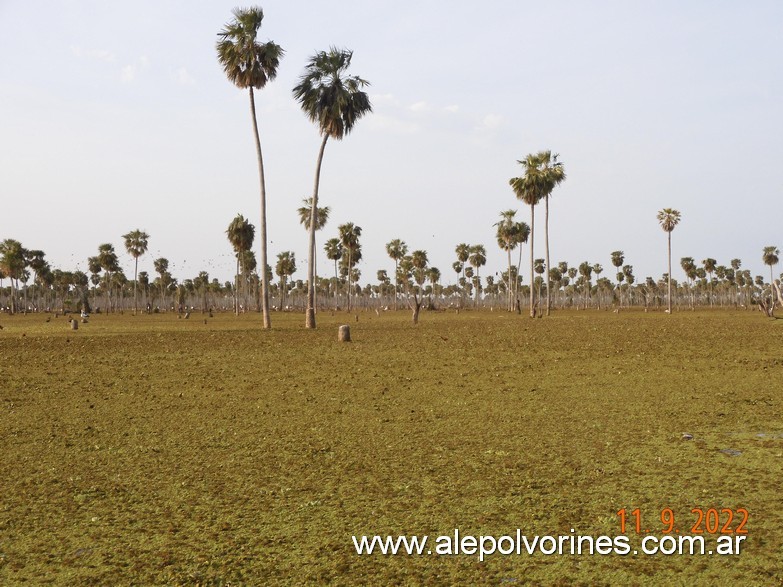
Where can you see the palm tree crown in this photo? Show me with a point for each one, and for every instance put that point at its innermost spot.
(669, 218)
(329, 97)
(246, 62)
(305, 212)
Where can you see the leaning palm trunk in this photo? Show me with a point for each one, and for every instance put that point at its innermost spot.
(310, 313)
(264, 279)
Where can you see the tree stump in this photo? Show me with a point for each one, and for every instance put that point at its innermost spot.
(344, 333)
(74, 325)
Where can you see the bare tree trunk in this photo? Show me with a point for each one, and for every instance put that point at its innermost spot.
(310, 312)
(264, 279)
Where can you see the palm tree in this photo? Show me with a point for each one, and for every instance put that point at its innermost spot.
(540, 178)
(668, 218)
(241, 235)
(509, 235)
(334, 252)
(12, 264)
(477, 259)
(770, 257)
(249, 64)
(110, 264)
(285, 268)
(349, 239)
(396, 249)
(543, 173)
(618, 257)
(321, 218)
(463, 252)
(334, 101)
(161, 265)
(136, 243)
(418, 263)
(709, 268)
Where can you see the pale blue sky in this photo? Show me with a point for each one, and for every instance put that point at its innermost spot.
(116, 116)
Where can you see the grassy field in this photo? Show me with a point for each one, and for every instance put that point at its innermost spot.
(155, 450)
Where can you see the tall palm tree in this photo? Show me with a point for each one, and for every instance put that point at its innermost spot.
(669, 218)
(542, 174)
(349, 239)
(334, 101)
(13, 263)
(396, 249)
(321, 218)
(249, 64)
(285, 268)
(689, 268)
(418, 262)
(509, 235)
(110, 265)
(709, 268)
(241, 235)
(136, 243)
(477, 259)
(334, 252)
(161, 265)
(770, 257)
(618, 257)
(463, 252)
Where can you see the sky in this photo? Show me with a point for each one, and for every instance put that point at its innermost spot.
(117, 116)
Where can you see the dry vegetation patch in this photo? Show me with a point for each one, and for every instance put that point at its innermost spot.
(152, 450)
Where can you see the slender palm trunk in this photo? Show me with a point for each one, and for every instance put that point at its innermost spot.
(135, 280)
(510, 292)
(532, 240)
(310, 313)
(315, 275)
(350, 266)
(670, 271)
(396, 282)
(546, 238)
(236, 289)
(264, 279)
(336, 281)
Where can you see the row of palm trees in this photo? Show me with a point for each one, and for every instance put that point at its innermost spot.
(413, 281)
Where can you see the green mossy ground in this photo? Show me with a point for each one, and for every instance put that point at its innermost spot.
(156, 450)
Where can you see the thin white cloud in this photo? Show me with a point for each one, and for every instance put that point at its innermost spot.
(129, 73)
(96, 54)
(379, 122)
(420, 107)
(490, 122)
(387, 99)
(184, 78)
(453, 108)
